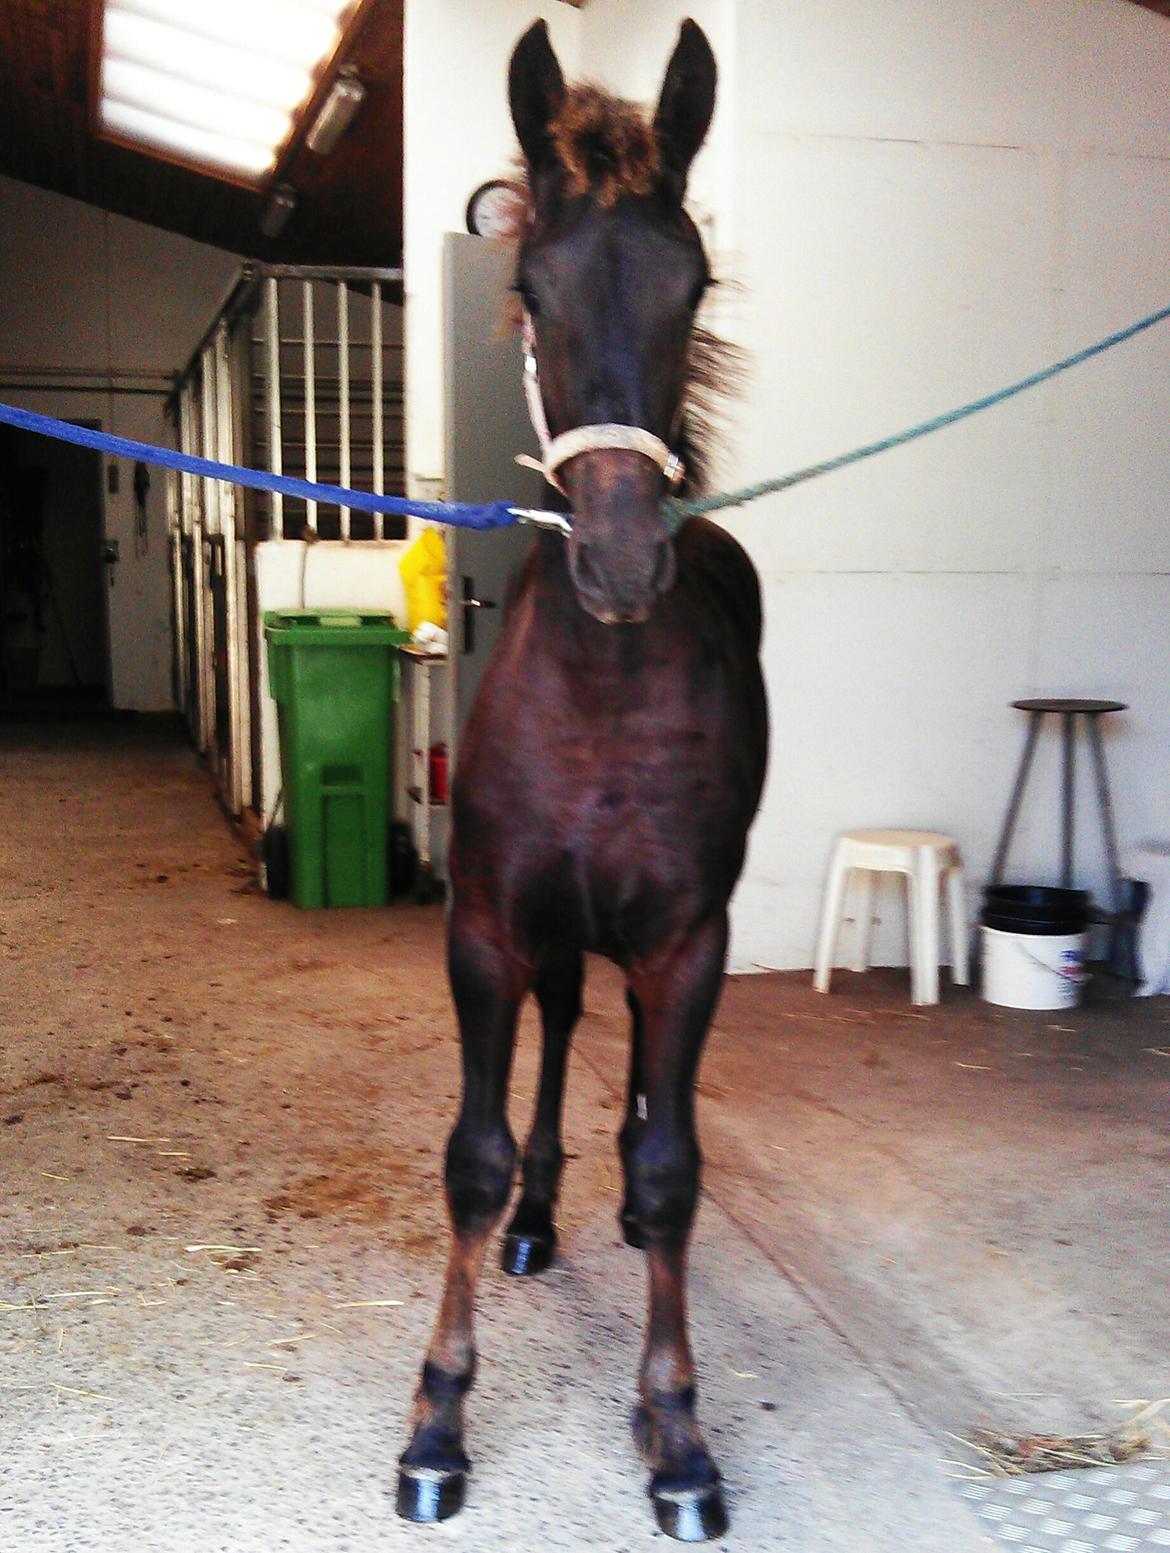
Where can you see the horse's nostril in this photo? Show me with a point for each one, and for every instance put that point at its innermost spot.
(586, 569)
(592, 584)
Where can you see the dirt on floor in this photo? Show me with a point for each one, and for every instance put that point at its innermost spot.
(221, 1233)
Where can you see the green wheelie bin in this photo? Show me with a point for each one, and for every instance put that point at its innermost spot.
(334, 677)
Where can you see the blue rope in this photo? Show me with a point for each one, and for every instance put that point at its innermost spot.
(461, 514)
(500, 514)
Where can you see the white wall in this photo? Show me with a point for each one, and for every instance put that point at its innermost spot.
(932, 202)
(80, 288)
(923, 203)
(457, 135)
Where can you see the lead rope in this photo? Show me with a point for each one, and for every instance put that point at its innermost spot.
(676, 512)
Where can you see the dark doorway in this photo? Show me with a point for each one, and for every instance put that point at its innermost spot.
(54, 649)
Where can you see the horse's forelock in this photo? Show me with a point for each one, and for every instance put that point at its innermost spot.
(606, 146)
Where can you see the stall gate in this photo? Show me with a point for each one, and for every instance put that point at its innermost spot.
(300, 373)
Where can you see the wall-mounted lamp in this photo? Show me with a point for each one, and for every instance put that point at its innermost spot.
(275, 215)
(338, 111)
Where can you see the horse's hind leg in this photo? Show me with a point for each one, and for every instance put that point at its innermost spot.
(677, 1000)
(531, 1238)
(488, 984)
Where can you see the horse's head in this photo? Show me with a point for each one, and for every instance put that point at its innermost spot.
(611, 270)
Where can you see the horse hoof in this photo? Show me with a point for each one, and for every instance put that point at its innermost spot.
(526, 1255)
(631, 1233)
(428, 1494)
(691, 1514)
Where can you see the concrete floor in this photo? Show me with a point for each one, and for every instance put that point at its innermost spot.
(221, 1238)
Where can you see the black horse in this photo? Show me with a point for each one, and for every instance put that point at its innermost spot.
(612, 763)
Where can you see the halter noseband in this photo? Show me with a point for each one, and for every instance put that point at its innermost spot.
(555, 451)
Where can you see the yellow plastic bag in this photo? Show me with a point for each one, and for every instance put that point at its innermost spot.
(424, 575)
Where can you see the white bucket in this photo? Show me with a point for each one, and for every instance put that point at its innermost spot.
(1033, 970)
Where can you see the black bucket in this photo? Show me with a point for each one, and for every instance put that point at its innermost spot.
(1035, 908)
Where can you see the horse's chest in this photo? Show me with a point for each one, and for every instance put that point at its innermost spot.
(628, 838)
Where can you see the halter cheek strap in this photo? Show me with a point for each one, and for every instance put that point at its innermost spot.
(556, 451)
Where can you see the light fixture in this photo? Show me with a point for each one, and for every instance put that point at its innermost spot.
(275, 215)
(216, 82)
(338, 111)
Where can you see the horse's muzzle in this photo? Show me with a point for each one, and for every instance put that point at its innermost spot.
(621, 558)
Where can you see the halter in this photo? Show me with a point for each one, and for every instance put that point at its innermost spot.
(555, 451)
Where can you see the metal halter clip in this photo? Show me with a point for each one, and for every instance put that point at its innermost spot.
(559, 522)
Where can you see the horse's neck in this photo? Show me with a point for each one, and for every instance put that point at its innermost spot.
(560, 618)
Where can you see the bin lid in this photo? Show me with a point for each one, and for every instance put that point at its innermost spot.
(334, 627)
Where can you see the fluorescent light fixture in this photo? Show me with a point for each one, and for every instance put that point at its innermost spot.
(214, 82)
(346, 96)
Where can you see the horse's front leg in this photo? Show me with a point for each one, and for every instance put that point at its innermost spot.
(488, 983)
(677, 1000)
(635, 1121)
(531, 1238)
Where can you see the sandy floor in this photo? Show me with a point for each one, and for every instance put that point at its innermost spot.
(221, 1238)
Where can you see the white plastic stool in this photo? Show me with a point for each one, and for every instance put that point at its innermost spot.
(926, 859)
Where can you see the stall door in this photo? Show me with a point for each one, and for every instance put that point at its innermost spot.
(487, 425)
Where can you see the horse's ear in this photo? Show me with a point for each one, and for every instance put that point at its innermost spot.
(687, 101)
(536, 89)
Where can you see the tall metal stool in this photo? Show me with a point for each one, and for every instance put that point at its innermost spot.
(1068, 711)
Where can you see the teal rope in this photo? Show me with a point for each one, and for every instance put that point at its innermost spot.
(676, 511)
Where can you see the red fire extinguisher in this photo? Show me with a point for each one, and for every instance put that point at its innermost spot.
(437, 777)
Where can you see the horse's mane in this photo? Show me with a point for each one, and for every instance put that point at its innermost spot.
(716, 370)
(607, 148)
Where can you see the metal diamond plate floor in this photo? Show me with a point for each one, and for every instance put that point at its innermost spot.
(1095, 1510)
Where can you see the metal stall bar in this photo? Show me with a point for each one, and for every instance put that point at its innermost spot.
(376, 392)
(357, 273)
(209, 423)
(343, 392)
(237, 367)
(310, 397)
(236, 647)
(198, 578)
(212, 546)
(272, 386)
(175, 540)
(185, 623)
